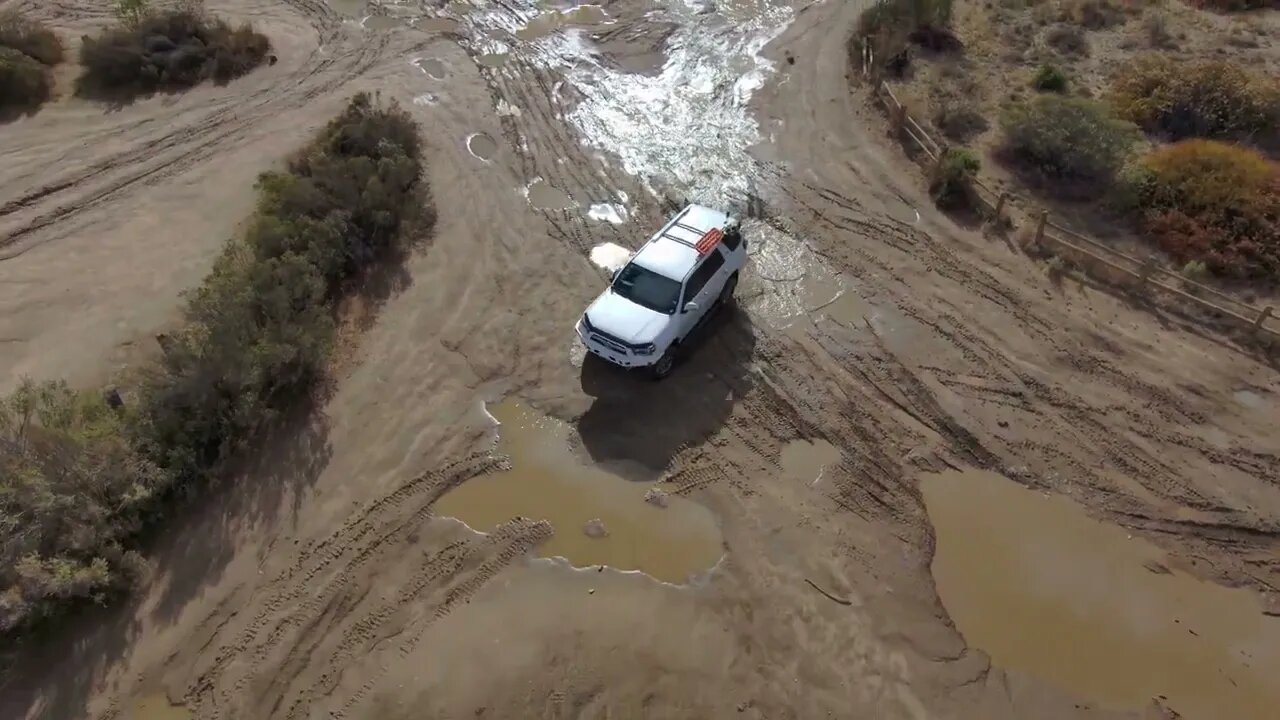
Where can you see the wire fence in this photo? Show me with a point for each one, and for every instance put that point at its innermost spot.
(1099, 260)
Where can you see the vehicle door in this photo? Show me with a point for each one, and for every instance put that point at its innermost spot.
(702, 289)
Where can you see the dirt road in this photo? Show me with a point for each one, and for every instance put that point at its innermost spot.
(872, 334)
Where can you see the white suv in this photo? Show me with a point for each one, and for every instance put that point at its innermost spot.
(666, 290)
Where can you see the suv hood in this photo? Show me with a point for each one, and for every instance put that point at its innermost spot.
(631, 323)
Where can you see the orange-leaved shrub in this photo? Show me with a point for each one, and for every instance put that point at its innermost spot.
(1214, 202)
(1209, 99)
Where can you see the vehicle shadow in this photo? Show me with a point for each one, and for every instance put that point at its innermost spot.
(635, 425)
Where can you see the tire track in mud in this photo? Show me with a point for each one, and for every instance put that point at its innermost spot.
(151, 160)
(294, 611)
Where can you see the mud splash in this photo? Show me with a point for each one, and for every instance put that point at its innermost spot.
(608, 212)
(157, 707)
(1039, 585)
(660, 125)
(610, 256)
(600, 519)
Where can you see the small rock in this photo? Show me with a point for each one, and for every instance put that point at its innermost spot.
(1003, 423)
(591, 591)
(595, 529)
(656, 496)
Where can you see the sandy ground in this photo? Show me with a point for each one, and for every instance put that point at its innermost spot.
(324, 585)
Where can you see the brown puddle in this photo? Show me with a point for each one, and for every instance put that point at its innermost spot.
(545, 197)
(1040, 586)
(548, 482)
(437, 24)
(804, 460)
(383, 22)
(482, 146)
(431, 66)
(157, 707)
(549, 22)
(492, 60)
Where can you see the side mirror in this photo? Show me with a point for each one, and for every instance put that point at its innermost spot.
(691, 306)
(614, 275)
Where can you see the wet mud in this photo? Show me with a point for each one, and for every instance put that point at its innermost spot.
(1040, 586)
(599, 518)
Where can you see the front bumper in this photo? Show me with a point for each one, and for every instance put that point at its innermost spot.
(605, 352)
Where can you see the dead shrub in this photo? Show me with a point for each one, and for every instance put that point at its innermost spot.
(30, 38)
(167, 51)
(27, 51)
(1069, 140)
(1233, 5)
(1208, 99)
(959, 119)
(24, 82)
(1156, 25)
(1212, 202)
(1068, 40)
(1093, 14)
(891, 25)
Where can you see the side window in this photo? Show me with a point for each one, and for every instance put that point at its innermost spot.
(733, 238)
(699, 279)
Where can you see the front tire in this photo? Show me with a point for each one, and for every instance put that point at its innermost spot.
(726, 295)
(665, 364)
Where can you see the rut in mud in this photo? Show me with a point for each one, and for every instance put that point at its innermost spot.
(874, 341)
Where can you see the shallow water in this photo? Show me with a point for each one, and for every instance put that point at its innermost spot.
(1039, 585)
(805, 461)
(548, 481)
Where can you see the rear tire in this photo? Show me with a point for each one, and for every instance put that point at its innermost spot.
(665, 364)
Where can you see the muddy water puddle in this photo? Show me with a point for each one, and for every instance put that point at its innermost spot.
(551, 21)
(544, 196)
(431, 66)
(482, 146)
(492, 60)
(1040, 586)
(157, 707)
(806, 460)
(437, 24)
(599, 517)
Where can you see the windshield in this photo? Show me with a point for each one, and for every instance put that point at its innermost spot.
(648, 288)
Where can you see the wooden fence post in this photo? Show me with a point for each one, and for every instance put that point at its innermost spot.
(1044, 220)
(1000, 207)
(1146, 271)
(1262, 317)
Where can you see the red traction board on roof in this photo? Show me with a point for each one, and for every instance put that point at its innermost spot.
(708, 241)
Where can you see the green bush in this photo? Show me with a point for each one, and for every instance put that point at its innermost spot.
(258, 331)
(78, 479)
(1211, 202)
(167, 51)
(1050, 78)
(71, 488)
(1210, 99)
(1067, 139)
(952, 181)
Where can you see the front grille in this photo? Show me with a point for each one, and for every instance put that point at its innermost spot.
(609, 341)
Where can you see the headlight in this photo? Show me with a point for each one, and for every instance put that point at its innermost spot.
(644, 349)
